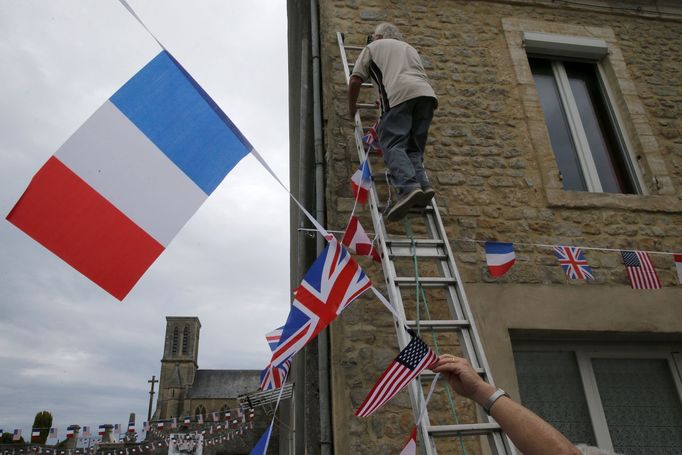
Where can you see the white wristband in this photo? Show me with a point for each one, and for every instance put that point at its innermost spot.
(499, 393)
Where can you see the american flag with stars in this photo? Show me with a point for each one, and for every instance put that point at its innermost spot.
(411, 361)
(641, 271)
(573, 261)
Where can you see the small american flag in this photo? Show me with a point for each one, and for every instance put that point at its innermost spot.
(640, 270)
(416, 357)
(573, 261)
(215, 416)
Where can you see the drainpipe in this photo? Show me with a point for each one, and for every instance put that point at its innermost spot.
(323, 337)
(299, 363)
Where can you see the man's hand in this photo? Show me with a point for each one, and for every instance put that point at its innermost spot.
(354, 86)
(463, 378)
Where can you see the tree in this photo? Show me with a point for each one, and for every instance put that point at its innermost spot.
(43, 421)
(7, 439)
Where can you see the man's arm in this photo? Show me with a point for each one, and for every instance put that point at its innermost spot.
(528, 432)
(353, 92)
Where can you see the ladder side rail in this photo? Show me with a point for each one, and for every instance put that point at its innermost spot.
(415, 391)
(463, 301)
(500, 441)
(393, 289)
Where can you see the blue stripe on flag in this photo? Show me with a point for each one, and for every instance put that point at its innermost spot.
(177, 115)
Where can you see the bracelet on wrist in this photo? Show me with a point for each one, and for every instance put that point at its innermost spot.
(497, 394)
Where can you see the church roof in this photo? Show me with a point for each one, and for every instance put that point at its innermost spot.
(223, 383)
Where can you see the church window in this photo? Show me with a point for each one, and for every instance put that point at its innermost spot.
(200, 411)
(185, 340)
(174, 343)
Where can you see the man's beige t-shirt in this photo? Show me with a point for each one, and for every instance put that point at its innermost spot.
(396, 69)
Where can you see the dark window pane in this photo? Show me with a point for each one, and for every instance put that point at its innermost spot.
(557, 125)
(641, 404)
(601, 137)
(550, 386)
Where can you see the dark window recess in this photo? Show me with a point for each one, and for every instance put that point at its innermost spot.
(563, 146)
(604, 147)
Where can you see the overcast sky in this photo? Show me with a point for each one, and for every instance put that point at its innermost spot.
(66, 345)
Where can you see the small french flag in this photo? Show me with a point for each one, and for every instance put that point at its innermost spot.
(410, 447)
(362, 181)
(356, 239)
(500, 257)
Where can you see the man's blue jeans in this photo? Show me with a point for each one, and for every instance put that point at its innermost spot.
(403, 131)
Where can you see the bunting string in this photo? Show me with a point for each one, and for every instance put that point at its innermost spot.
(539, 245)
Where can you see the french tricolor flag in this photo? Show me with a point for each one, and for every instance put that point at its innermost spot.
(111, 199)
(356, 239)
(361, 182)
(500, 257)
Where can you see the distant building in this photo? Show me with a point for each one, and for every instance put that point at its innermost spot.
(184, 389)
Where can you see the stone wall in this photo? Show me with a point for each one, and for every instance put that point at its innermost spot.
(491, 175)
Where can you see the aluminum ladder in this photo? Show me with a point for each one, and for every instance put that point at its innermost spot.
(435, 247)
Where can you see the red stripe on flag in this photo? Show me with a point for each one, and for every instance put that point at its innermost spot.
(68, 217)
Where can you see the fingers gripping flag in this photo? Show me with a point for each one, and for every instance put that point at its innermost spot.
(116, 193)
(416, 357)
(330, 285)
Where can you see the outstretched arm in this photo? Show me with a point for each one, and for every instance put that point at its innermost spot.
(353, 91)
(528, 432)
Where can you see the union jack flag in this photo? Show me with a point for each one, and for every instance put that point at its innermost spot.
(371, 139)
(273, 377)
(573, 261)
(330, 285)
(273, 337)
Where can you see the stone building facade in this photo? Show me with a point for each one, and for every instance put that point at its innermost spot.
(571, 350)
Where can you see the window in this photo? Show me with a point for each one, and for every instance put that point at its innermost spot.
(584, 140)
(185, 340)
(200, 411)
(625, 399)
(590, 151)
(174, 343)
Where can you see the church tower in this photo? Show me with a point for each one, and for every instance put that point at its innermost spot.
(178, 365)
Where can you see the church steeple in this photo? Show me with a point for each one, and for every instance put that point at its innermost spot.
(178, 365)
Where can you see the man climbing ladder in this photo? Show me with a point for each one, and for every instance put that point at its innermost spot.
(407, 104)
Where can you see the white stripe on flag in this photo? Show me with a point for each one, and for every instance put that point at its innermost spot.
(499, 259)
(157, 195)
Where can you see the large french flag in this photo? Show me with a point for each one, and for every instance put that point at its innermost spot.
(116, 193)
(500, 257)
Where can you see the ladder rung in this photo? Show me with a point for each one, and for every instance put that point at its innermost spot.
(367, 84)
(367, 106)
(354, 47)
(420, 251)
(465, 429)
(439, 326)
(431, 281)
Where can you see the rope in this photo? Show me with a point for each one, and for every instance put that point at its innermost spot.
(421, 296)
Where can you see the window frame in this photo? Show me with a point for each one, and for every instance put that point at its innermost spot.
(658, 193)
(560, 48)
(585, 352)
